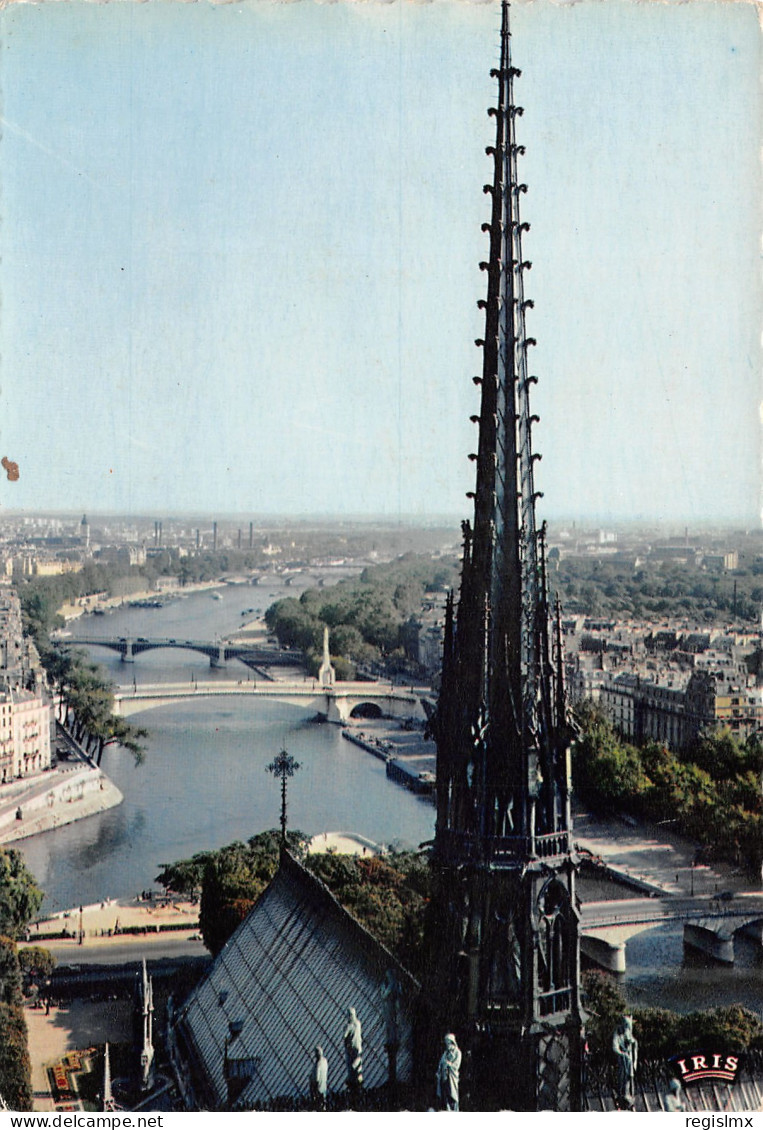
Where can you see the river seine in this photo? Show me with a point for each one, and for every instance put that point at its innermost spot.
(204, 784)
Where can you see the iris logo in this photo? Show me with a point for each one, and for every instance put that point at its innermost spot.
(707, 1065)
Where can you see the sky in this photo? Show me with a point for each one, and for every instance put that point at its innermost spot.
(240, 246)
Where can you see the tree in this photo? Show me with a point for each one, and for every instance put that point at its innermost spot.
(36, 962)
(605, 1007)
(186, 876)
(87, 701)
(10, 973)
(656, 1030)
(732, 1027)
(607, 772)
(387, 896)
(366, 616)
(129, 737)
(15, 1067)
(712, 793)
(20, 897)
(234, 878)
(719, 753)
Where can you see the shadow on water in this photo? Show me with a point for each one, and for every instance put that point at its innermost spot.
(111, 838)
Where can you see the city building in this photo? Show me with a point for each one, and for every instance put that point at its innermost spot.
(659, 712)
(19, 660)
(670, 701)
(722, 703)
(24, 735)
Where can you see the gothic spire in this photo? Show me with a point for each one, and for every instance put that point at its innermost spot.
(503, 929)
(509, 685)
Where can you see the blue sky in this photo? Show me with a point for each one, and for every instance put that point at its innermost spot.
(240, 250)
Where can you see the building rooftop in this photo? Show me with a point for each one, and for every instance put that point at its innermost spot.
(281, 985)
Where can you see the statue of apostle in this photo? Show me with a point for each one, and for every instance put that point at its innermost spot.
(353, 1047)
(448, 1073)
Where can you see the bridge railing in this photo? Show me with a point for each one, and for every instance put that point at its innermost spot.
(596, 915)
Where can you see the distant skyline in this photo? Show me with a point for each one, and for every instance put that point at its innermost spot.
(240, 249)
(227, 520)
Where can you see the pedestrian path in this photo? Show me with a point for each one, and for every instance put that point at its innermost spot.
(343, 843)
(116, 921)
(67, 1028)
(654, 856)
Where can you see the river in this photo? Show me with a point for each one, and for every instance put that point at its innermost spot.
(204, 784)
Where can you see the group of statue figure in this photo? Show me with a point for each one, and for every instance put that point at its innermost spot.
(447, 1080)
(390, 993)
(448, 1068)
(353, 1050)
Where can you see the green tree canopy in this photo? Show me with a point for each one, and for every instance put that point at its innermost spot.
(87, 699)
(660, 1032)
(234, 878)
(10, 973)
(20, 897)
(712, 792)
(370, 617)
(36, 962)
(387, 895)
(15, 1066)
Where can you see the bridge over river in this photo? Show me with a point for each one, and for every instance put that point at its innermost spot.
(337, 703)
(219, 651)
(709, 924)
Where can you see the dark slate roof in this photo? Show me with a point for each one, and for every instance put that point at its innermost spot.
(289, 973)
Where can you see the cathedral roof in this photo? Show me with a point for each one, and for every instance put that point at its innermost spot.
(282, 985)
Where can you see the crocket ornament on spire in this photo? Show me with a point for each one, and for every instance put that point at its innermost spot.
(503, 930)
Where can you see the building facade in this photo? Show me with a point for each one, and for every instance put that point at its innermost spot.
(25, 748)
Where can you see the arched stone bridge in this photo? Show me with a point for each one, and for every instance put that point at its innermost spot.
(219, 652)
(709, 925)
(336, 703)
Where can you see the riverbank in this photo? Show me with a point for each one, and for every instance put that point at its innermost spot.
(409, 758)
(55, 798)
(111, 603)
(344, 843)
(652, 857)
(253, 630)
(115, 921)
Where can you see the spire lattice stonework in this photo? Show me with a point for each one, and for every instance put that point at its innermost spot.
(504, 928)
